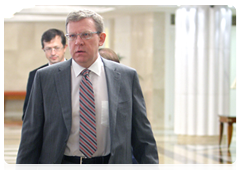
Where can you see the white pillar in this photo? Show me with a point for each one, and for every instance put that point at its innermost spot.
(202, 55)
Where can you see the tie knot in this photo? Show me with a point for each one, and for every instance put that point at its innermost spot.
(85, 72)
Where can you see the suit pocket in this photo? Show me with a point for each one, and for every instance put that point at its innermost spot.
(128, 167)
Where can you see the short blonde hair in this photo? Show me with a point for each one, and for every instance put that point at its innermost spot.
(81, 14)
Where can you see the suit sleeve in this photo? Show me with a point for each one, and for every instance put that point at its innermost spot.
(31, 138)
(28, 90)
(143, 142)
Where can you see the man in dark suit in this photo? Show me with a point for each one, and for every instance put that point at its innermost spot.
(87, 109)
(54, 46)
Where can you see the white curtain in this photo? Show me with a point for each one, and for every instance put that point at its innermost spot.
(202, 59)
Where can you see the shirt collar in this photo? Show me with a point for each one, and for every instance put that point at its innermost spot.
(95, 67)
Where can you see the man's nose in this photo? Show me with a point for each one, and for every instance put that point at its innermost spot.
(53, 51)
(79, 40)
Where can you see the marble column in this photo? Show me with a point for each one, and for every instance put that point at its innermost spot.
(202, 55)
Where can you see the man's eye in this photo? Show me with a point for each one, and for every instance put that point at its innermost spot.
(85, 34)
(72, 35)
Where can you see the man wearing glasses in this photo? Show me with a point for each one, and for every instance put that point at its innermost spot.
(54, 46)
(86, 110)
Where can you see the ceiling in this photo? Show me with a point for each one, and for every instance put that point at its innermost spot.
(59, 13)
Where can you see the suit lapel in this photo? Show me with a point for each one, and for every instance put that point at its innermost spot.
(113, 77)
(63, 87)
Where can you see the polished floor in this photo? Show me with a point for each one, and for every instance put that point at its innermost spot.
(171, 148)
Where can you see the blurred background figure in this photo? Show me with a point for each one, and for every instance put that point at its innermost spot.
(54, 46)
(109, 54)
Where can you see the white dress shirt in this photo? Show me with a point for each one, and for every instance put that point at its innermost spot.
(98, 79)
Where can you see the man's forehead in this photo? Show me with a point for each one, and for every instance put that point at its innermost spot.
(86, 24)
(56, 40)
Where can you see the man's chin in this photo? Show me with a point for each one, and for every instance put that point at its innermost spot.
(54, 61)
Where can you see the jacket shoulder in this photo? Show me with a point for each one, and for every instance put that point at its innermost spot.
(117, 66)
(35, 70)
(55, 67)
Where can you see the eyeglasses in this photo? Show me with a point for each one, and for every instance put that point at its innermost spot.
(49, 50)
(84, 35)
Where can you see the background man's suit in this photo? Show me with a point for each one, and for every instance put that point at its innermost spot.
(29, 87)
(48, 116)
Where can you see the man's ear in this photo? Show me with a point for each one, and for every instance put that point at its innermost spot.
(65, 47)
(102, 37)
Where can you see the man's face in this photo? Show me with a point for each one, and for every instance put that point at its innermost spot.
(84, 51)
(54, 50)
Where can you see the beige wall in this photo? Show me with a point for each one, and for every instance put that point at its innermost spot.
(147, 57)
(140, 39)
(23, 51)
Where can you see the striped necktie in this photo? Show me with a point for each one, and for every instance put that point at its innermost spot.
(87, 134)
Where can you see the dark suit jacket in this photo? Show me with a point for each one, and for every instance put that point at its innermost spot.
(29, 87)
(48, 117)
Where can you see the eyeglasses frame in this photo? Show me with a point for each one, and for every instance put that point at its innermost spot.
(80, 34)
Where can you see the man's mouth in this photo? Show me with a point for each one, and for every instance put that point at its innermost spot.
(54, 58)
(80, 51)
